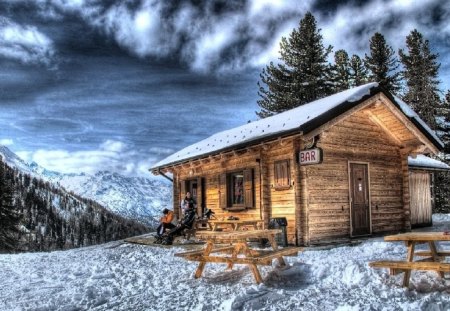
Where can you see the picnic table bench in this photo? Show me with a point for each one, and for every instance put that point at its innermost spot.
(238, 251)
(433, 257)
(234, 224)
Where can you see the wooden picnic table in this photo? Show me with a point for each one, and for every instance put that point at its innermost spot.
(433, 256)
(234, 224)
(238, 250)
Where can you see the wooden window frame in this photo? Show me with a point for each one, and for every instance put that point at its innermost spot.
(226, 192)
(277, 170)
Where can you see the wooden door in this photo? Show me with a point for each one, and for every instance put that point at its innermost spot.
(197, 189)
(359, 199)
(420, 199)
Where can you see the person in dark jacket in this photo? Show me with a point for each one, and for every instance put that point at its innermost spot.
(187, 202)
(186, 223)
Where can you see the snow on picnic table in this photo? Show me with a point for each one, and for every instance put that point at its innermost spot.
(122, 276)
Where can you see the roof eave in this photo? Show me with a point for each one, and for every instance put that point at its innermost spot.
(243, 145)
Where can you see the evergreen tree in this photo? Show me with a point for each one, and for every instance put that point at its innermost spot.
(421, 74)
(382, 64)
(301, 77)
(340, 73)
(9, 217)
(358, 73)
(444, 124)
(442, 179)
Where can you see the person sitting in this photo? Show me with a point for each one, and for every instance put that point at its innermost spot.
(165, 224)
(186, 223)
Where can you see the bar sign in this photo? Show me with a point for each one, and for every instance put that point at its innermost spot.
(310, 156)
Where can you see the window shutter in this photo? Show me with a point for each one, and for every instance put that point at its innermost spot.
(282, 174)
(200, 203)
(248, 188)
(277, 174)
(223, 190)
(182, 195)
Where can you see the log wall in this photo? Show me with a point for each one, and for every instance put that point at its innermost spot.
(356, 139)
(274, 203)
(282, 201)
(211, 169)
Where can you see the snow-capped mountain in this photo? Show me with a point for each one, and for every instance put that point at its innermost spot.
(132, 197)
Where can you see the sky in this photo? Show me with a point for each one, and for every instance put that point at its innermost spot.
(89, 85)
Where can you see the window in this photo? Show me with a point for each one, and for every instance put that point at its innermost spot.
(282, 175)
(236, 190)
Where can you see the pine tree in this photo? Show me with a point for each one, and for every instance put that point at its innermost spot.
(382, 64)
(421, 74)
(340, 73)
(301, 77)
(358, 73)
(442, 179)
(444, 124)
(9, 217)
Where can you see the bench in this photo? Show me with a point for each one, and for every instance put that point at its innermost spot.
(258, 257)
(200, 252)
(404, 266)
(428, 253)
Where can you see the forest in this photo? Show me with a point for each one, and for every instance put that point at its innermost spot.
(36, 215)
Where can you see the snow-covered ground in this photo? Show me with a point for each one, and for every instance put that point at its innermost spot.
(122, 276)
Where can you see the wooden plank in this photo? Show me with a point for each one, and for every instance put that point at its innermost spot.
(418, 236)
(428, 253)
(264, 258)
(415, 265)
(201, 251)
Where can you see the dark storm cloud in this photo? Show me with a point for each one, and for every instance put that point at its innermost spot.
(202, 35)
(25, 44)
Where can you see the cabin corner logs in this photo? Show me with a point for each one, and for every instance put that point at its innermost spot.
(355, 180)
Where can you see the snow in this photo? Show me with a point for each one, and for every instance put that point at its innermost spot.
(279, 123)
(121, 276)
(411, 114)
(426, 162)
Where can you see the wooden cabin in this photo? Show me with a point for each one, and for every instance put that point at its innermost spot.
(336, 168)
(421, 176)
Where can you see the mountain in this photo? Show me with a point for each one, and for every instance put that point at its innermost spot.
(136, 198)
(46, 216)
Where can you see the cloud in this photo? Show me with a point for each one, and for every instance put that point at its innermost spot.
(24, 43)
(111, 155)
(6, 142)
(351, 27)
(214, 36)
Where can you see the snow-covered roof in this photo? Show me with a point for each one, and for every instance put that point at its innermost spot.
(407, 110)
(422, 161)
(297, 119)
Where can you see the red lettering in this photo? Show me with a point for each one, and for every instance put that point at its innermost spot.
(313, 155)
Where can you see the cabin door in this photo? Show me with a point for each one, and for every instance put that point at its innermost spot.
(197, 189)
(359, 199)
